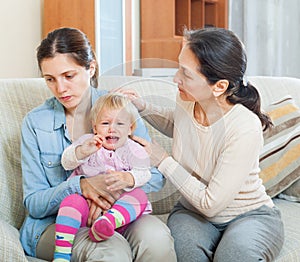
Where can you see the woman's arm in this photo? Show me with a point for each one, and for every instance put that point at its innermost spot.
(161, 118)
(157, 180)
(236, 163)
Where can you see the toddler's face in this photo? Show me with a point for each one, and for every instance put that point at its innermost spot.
(114, 126)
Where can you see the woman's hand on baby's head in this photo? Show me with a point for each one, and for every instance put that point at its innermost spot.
(133, 96)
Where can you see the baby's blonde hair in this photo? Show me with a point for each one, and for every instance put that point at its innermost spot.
(112, 101)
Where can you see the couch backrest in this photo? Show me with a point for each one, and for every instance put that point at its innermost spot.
(17, 97)
(273, 89)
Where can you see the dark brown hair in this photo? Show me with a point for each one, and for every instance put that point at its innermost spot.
(69, 41)
(221, 55)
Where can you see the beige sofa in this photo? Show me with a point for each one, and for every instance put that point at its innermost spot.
(18, 96)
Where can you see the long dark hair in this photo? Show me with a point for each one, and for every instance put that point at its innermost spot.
(221, 55)
(69, 41)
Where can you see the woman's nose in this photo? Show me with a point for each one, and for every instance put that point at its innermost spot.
(176, 78)
(60, 86)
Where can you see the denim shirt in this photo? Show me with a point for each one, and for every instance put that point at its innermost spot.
(45, 184)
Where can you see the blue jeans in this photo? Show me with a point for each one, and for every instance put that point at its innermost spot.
(257, 235)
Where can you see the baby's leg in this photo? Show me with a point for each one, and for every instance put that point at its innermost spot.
(128, 208)
(72, 214)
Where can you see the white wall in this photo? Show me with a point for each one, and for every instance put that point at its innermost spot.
(269, 29)
(20, 34)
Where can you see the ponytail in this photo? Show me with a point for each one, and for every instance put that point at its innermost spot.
(248, 96)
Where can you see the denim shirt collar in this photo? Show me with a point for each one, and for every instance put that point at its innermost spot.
(60, 117)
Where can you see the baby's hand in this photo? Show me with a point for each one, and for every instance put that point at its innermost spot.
(118, 180)
(89, 147)
(98, 141)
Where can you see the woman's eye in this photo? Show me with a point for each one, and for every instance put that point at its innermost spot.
(187, 74)
(69, 76)
(48, 79)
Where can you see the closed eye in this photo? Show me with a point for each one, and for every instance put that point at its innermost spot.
(69, 76)
(49, 79)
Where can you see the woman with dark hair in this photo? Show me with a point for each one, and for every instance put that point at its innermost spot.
(224, 213)
(69, 67)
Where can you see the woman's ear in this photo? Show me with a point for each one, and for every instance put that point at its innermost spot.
(220, 87)
(92, 68)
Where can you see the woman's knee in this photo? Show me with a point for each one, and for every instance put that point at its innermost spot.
(195, 239)
(150, 240)
(114, 249)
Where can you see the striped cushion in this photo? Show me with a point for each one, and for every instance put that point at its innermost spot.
(280, 157)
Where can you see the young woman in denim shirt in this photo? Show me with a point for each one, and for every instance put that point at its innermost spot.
(70, 69)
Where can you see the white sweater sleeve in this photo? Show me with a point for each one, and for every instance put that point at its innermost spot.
(227, 159)
(161, 118)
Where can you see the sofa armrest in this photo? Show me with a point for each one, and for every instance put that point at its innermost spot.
(10, 245)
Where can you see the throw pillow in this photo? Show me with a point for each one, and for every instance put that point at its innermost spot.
(280, 157)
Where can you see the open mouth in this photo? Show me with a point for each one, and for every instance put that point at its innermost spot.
(112, 139)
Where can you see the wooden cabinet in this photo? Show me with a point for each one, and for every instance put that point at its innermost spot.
(163, 23)
(70, 13)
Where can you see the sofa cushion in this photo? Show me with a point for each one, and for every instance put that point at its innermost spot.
(17, 97)
(290, 213)
(10, 249)
(292, 193)
(280, 158)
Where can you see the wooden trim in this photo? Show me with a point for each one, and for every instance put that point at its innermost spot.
(222, 13)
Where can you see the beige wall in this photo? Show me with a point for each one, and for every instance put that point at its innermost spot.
(20, 34)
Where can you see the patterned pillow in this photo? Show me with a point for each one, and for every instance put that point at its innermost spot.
(280, 157)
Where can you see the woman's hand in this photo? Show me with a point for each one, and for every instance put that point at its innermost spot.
(119, 180)
(134, 97)
(95, 212)
(96, 189)
(156, 152)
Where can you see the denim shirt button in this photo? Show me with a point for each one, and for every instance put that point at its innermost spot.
(49, 163)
